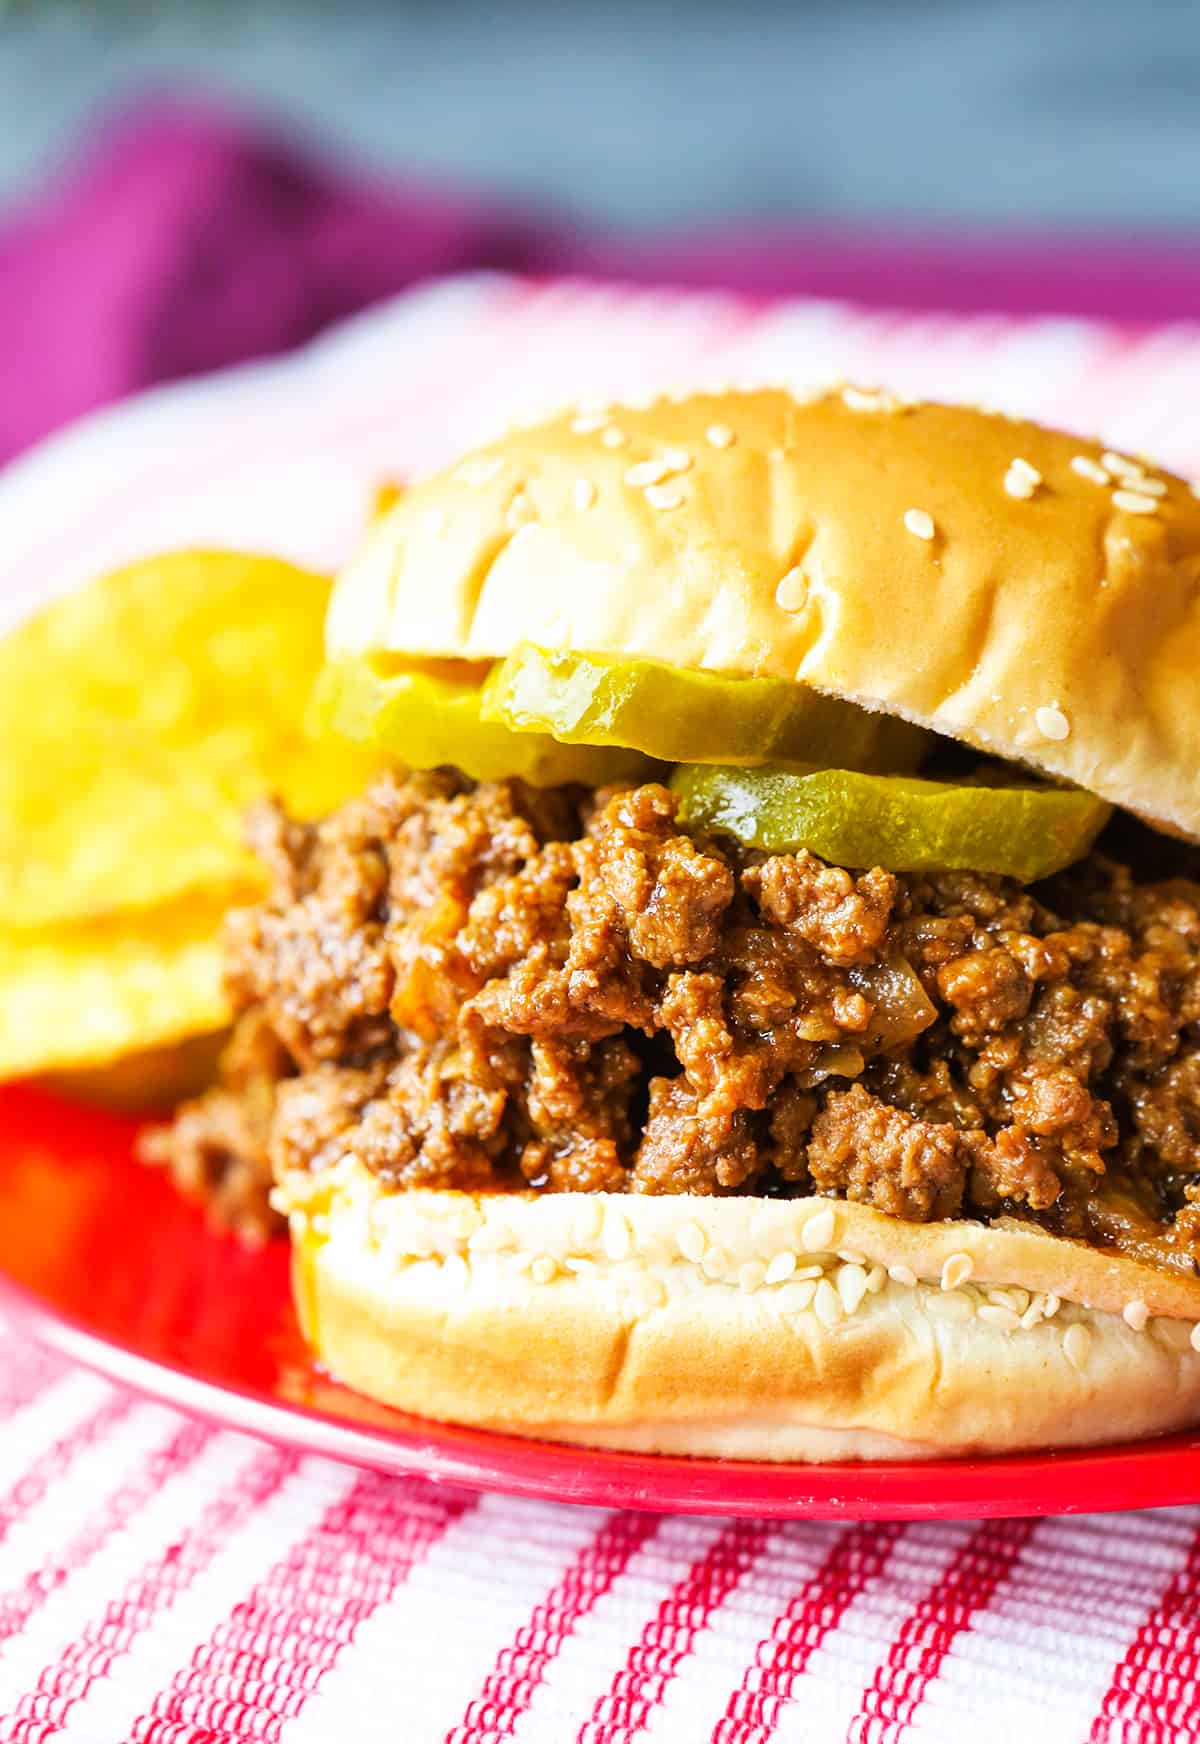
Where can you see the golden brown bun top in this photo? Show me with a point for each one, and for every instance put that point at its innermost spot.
(1052, 617)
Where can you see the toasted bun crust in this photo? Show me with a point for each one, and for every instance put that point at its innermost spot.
(743, 1327)
(1060, 628)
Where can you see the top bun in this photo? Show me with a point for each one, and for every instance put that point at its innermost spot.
(1012, 587)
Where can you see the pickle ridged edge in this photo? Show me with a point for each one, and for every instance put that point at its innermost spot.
(679, 715)
(903, 823)
(430, 721)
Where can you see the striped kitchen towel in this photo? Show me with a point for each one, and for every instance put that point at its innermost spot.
(168, 1582)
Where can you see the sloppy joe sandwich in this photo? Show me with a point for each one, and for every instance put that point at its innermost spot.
(759, 1012)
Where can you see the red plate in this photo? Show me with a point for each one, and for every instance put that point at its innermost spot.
(100, 1258)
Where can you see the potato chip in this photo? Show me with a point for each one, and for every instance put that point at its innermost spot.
(87, 994)
(139, 718)
(153, 1079)
(385, 496)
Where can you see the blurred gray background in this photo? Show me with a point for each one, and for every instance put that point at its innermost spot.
(1047, 112)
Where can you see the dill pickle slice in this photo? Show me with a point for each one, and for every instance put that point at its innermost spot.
(428, 716)
(900, 822)
(681, 716)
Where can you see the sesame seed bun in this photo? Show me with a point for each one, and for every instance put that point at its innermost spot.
(1012, 587)
(741, 1327)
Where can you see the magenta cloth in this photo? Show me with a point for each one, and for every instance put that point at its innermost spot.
(182, 239)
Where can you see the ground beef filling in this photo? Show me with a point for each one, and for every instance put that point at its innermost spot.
(487, 986)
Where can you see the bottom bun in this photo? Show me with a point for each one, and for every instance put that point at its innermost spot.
(748, 1328)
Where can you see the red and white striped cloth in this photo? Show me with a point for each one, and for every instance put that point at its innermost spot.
(162, 1580)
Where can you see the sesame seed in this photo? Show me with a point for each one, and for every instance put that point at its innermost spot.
(851, 1256)
(1051, 1306)
(792, 591)
(951, 1305)
(1151, 487)
(677, 459)
(851, 1287)
(1052, 723)
(795, 1297)
(903, 1275)
(1195, 1337)
(993, 1314)
(664, 496)
(1135, 1316)
(691, 1241)
(1119, 466)
(1134, 502)
(751, 1274)
(647, 472)
(589, 423)
(819, 1232)
(584, 493)
(1031, 1317)
(715, 1264)
(1077, 1344)
(781, 1268)
(919, 523)
(614, 437)
(720, 436)
(957, 1270)
(1021, 479)
(876, 1279)
(867, 400)
(649, 1293)
(1090, 469)
(481, 469)
(543, 1269)
(827, 1304)
(490, 1239)
(809, 1272)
